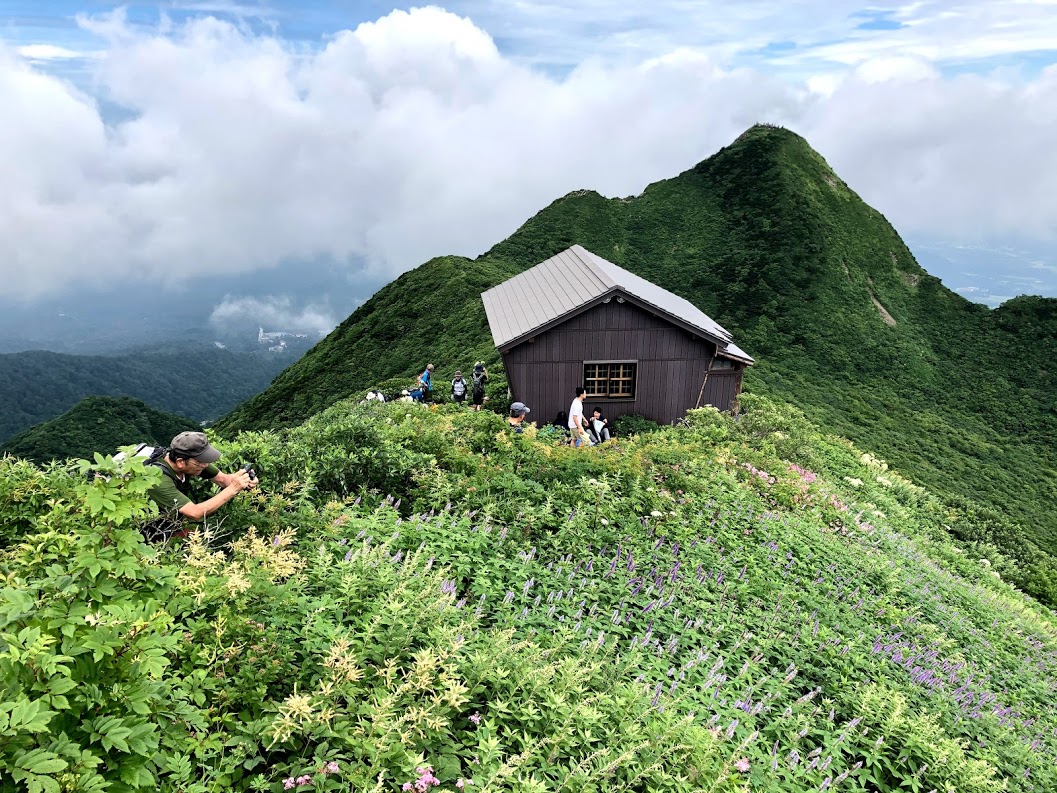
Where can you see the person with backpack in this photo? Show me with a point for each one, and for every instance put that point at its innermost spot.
(190, 456)
(479, 378)
(459, 387)
(425, 384)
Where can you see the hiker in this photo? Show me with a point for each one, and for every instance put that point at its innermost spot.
(459, 387)
(518, 411)
(577, 423)
(189, 456)
(479, 378)
(425, 383)
(598, 426)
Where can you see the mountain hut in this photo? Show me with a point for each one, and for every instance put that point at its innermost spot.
(577, 319)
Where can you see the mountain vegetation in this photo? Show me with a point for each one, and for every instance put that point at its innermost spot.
(818, 286)
(96, 424)
(196, 380)
(417, 599)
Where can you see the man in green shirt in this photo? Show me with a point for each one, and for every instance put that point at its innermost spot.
(191, 455)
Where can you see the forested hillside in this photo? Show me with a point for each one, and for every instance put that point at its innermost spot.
(198, 381)
(815, 284)
(96, 424)
(417, 599)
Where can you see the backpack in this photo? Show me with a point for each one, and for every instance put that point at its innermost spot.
(152, 455)
(162, 527)
(478, 381)
(458, 387)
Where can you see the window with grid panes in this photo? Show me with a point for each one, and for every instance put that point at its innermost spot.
(612, 380)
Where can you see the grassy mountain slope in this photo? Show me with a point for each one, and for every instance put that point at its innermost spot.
(96, 424)
(200, 381)
(817, 285)
(432, 314)
(744, 605)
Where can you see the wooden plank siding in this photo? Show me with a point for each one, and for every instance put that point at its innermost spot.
(671, 364)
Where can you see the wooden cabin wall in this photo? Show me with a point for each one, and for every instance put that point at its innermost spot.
(544, 373)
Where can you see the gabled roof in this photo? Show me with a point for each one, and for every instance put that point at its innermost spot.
(575, 279)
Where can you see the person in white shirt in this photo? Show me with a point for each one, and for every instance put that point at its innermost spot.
(577, 423)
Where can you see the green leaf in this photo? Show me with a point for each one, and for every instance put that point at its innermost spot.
(41, 761)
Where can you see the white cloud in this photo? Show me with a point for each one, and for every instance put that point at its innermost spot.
(272, 314)
(966, 156)
(51, 52)
(898, 68)
(413, 136)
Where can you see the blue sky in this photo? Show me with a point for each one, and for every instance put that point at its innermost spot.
(787, 36)
(169, 142)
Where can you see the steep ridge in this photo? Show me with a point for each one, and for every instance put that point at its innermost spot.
(96, 424)
(768, 240)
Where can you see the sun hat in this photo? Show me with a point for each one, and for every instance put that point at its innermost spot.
(195, 446)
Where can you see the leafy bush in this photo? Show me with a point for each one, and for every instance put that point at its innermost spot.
(632, 424)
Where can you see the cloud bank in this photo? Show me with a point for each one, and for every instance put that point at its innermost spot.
(272, 314)
(413, 136)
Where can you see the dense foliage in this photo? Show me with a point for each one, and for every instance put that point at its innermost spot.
(417, 599)
(769, 241)
(96, 424)
(198, 381)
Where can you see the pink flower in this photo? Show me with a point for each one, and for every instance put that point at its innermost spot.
(461, 783)
(476, 718)
(332, 767)
(742, 765)
(289, 783)
(406, 786)
(304, 780)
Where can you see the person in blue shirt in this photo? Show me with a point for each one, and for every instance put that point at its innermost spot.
(425, 382)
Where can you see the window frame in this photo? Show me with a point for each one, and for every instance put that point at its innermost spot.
(609, 379)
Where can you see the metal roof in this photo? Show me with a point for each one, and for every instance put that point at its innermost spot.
(575, 278)
(732, 350)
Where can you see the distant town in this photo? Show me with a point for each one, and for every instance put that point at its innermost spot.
(277, 339)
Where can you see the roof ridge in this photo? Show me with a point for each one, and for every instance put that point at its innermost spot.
(590, 261)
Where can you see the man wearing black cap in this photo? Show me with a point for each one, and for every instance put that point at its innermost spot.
(518, 411)
(189, 455)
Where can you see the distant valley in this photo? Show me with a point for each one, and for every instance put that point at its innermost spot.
(196, 379)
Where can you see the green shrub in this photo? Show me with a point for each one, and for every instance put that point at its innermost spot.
(629, 424)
